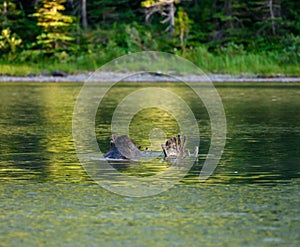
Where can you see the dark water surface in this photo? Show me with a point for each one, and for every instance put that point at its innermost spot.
(252, 199)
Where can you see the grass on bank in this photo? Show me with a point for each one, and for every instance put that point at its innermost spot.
(250, 64)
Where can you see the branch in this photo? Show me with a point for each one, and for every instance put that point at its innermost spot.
(151, 11)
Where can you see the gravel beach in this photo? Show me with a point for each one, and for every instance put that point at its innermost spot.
(145, 77)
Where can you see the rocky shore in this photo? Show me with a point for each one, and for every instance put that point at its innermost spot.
(145, 77)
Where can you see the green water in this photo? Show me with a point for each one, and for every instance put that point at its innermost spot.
(252, 199)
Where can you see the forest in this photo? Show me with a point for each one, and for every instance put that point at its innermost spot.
(257, 37)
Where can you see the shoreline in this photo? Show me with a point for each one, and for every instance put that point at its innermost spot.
(146, 77)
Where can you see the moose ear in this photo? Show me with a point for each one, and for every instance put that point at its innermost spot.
(113, 138)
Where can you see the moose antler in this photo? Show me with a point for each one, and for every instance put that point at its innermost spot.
(175, 148)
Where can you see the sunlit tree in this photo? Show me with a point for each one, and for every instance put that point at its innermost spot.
(182, 26)
(54, 24)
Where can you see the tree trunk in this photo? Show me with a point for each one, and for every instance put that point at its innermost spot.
(172, 19)
(84, 15)
(4, 12)
(272, 16)
(228, 8)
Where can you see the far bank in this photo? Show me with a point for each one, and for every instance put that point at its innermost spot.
(245, 65)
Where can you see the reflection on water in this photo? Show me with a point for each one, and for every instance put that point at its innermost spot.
(263, 132)
(252, 199)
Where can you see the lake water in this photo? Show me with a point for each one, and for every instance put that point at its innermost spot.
(252, 198)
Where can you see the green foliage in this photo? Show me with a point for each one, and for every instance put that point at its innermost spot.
(201, 56)
(268, 18)
(107, 12)
(182, 26)
(54, 24)
(230, 18)
(232, 49)
(222, 36)
(240, 63)
(133, 39)
(10, 16)
(248, 63)
(138, 39)
(33, 56)
(9, 43)
(291, 49)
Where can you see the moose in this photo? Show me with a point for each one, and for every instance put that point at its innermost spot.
(122, 147)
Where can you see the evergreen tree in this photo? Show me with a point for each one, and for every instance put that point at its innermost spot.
(11, 16)
(267, 16)
(54, 24)
(231, 19)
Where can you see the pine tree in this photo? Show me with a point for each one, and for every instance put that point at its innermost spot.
(10, 15)
(230, 17)
(267, 16)
(54, 24)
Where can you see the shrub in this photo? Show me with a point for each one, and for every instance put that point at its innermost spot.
(291, 49)
(9, 43)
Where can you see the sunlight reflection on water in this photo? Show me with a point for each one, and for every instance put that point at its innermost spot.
(252, 199)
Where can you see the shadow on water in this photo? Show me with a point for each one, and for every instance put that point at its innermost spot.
(263, 141)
